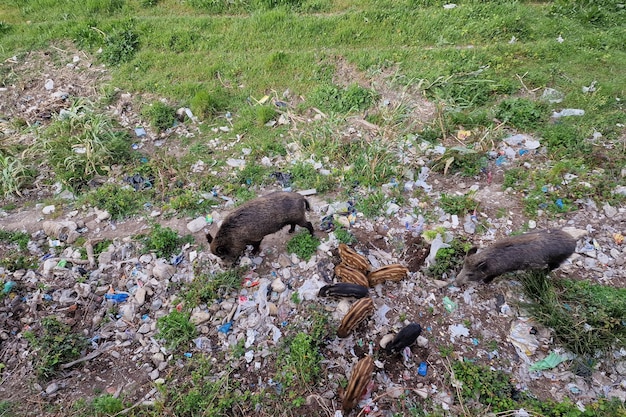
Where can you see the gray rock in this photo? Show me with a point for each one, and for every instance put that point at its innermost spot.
(163, 271)
(196, 224)
(154, 374)
(144, 328)
(52, 388)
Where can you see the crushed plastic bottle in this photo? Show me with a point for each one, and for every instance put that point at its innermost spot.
(117, 297)
(8, 286)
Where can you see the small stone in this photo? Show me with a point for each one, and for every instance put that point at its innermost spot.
(140, 295)
(82, 289)
(421, 392)
(158, 358)
(102, 215)
(395, 391)
(532, 224)
(156, 304)
(609, 210)
(196, 224)
(52, 388)
(163, 271)
(278, 285)
(422, 342)
(154, 374)
(272, 309)
(48, 209)
(144, 328)
(200, 317)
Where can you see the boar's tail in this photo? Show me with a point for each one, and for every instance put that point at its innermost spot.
(307, 206)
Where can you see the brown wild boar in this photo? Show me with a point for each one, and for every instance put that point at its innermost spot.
(252, 221)
(535, 250)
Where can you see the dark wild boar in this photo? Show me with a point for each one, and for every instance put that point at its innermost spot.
(252, 221)
(404, 338)
(535, 250)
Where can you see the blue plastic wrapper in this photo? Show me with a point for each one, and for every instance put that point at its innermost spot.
(117, 297)
(225, 328)
(423, 369)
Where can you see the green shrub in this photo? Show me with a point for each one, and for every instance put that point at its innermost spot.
(120, 202)
(458, 204)
(522, 113)
(264, 114)
(164, 241)
(303, 244)
(205, 104)
(160, 115)
(107, 405)
(121, 44)
(176, 329)
(54, 345)
(330, 97)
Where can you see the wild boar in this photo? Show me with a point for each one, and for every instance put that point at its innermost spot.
(535, 250)
(255, 219)
(404, 338)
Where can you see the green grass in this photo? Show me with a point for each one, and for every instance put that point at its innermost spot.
(207, 287)
(176, 329)
(586, 318)
(164, 241)
(303, 244)
(54, 345)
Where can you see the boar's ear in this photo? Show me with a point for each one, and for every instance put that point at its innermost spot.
(472, 250)
(220, 250)
(209, 238)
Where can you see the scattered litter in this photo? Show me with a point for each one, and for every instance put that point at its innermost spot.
(8, 286)
(552, 96)
(457, 330)
(591, 88)
(423, 369)
(140, 132)
(522, 338)
(449, 305)
(436, 244)
(225, 328)
(549, 362)
(117, 297)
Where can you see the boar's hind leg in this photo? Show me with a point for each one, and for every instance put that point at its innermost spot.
(309, 226)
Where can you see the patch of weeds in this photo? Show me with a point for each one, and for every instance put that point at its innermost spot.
(14, 261)
(208, 287)
(446, 351)
(81, 144)
(120, 202)
(106, 405)
(264, 114)
(449, 259)
(255, 174)
(205, 104)
(18, 238)
(176, 329)
(204, 391)
(333, 98)
(515, 177)
(479, 383)
(522, 113)
(303, 244)
(586, 318)
(458, 204)
(565, 139)
(305, 176)
(160, 115)
(295, 297)
(431, 134)
(6, 408)
(468, 119)
(121, 43)
(300, 364)
(15, 175)
(464, 161)
(462, 90)
(54, 345)
(164, 241)
(372, 205)
(243, 194)
(101, 246)
(190, 203)
(343, 235)
(482, 389)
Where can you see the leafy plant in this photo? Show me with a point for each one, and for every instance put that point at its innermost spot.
(264, 114)
(121, 44)
(106, 405)
(120, 202)
(205, 104)
(343, 235)
(164, 241)
(19, 238)
(371, 205)
(339, 100)
(176, 329)
(522, 113)
(586, 318)
(449, 259)
(14, 175)
(54, 345)
(207, 287)
(302, 360)
(458, 204)
(303, 244)
(160, 115)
